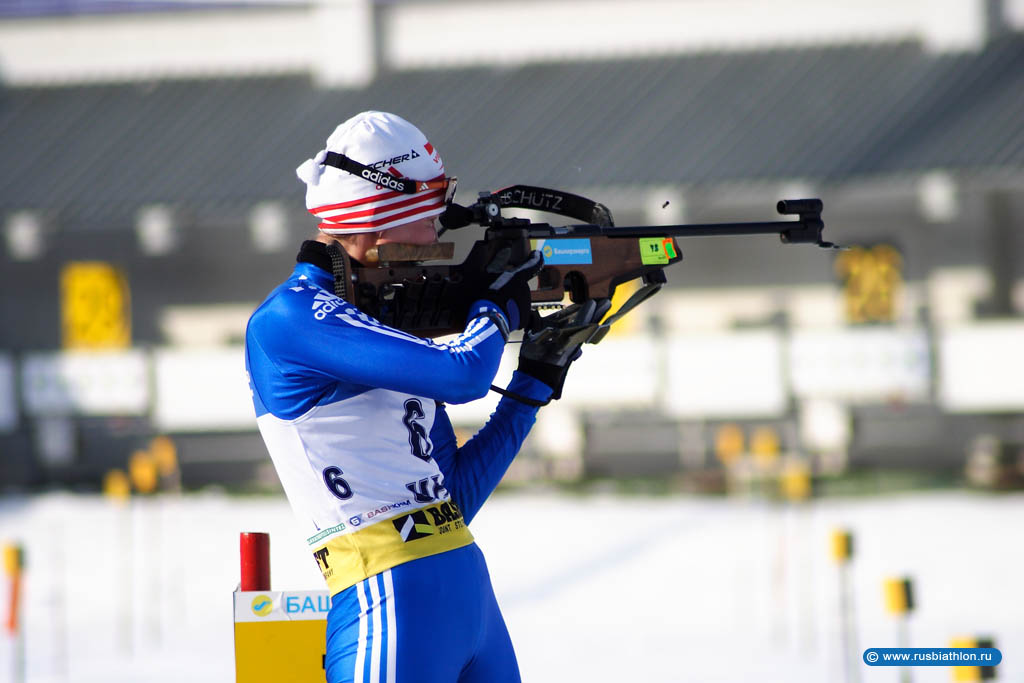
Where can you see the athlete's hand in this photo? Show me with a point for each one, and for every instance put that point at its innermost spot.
(547, 355)
(509, 288)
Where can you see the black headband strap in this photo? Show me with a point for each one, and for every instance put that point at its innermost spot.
(403, 185)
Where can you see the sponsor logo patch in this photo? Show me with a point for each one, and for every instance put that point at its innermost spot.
(564, 251)
(382, 179)
(394, 161)
(542, 201)
(324, 303)
(262, 605)
(436, 519)
(413, 526)
(318, 604)
(386, 508)
(325, 533)
(321, 561)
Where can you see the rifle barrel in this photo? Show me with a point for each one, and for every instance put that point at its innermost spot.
(689, 230)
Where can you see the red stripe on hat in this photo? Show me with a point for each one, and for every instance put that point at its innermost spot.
(429, 147)
(331, 225)
(345, 220)
(377, 210)
(365, 200)
(356, 202)
(394, 171)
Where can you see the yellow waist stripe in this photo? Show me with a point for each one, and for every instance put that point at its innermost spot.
(346, 560)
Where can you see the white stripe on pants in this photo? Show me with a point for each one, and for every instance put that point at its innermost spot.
(383, 619)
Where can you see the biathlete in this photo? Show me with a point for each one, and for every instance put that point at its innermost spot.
(352, 413)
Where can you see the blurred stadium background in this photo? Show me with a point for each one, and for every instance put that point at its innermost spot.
(148, 203)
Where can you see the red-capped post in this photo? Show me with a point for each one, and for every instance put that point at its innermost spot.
(254, 548)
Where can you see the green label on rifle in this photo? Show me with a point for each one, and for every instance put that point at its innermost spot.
(656, 251)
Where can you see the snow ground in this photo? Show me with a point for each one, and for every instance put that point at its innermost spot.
(594, 588)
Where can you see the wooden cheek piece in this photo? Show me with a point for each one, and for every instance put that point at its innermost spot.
(397, 252)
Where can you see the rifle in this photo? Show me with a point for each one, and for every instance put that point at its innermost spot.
(586, 261)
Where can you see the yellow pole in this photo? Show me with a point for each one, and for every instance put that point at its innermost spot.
(841, 546)
(117, 487)
(14, 567)
(899, 601)
(970, 674)
(965, 673)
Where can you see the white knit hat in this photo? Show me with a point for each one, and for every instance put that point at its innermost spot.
(346, 203)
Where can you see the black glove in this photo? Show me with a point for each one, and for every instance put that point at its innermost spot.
(509, 287)
(546, 355)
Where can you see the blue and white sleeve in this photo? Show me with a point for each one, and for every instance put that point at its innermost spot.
(473, 471)
(348, 345)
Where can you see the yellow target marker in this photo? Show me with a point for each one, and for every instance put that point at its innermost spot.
(899, 596)
(973, 673)
(117, 486)
(729, 443)
(13, 559)
(795, 482)
(842, 545)
(873, 280)
(94, 306)
(765, 446)
(142, 470)
(165, 455)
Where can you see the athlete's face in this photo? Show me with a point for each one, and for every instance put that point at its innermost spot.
(423, 231)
